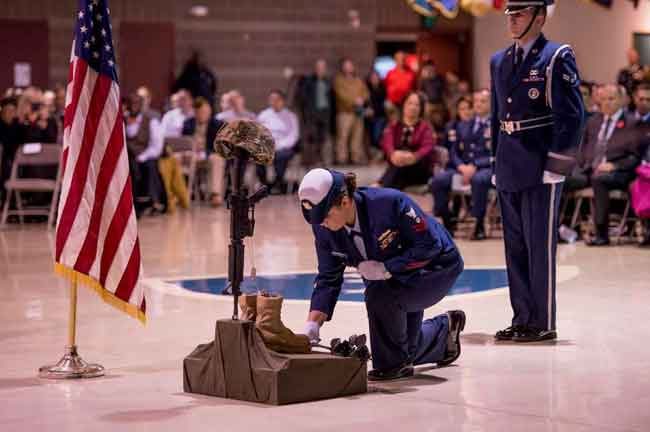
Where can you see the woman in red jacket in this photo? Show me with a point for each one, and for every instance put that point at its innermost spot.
(408, 145)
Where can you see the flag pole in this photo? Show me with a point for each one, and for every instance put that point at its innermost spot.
(72, 324)
(71, 364)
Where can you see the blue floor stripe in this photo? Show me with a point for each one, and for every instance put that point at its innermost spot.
(300, 286)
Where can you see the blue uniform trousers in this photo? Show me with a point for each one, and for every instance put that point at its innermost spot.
(398, 334)
(480, 183)
(530, 235)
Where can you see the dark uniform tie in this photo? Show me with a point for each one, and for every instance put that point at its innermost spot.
(519, 58)
(601, 143)
(357, 239)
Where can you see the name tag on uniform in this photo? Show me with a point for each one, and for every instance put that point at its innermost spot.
(451, 136)
(534, 76)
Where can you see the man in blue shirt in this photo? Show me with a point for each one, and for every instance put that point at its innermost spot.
(537, 120)
(408, 263)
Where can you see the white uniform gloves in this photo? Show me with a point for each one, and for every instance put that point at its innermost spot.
(373, 270)
(312, 330)
(550, 178)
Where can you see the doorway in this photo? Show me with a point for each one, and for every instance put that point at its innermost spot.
(147, 58)
(25, 55)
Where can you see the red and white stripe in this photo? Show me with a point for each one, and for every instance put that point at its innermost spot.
(97, 233)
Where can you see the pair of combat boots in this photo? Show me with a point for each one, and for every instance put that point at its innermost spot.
(265, 311)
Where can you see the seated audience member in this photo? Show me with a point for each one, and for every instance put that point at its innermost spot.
(172, 121)
(642, 115)
(586, 89)
(40, 125)
(642, 104)
(204, 128)
(11, 137)
(144, 142)
(469, 142)
(464, 114)
(59, 105)
(233, 107)
(640, 196)
(613, 146)
(145, 94)
(284, 127)
(173, 180)
(224, 104)
(408, 145)
(610, 108)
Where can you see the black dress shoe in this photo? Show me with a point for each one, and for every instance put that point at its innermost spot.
(599, 241)
(404, 371)
(531, 334)
(479, 233)
(507, 333)
(457, 321)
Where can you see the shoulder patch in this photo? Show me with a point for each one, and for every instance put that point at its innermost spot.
(412, 214)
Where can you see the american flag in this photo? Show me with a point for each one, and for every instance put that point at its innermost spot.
(97, 234)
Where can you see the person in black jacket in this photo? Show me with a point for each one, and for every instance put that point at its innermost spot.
(204, 127)
(376, 111)
(198, 79)
(315, 106)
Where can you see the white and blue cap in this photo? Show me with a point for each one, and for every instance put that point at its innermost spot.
(513, 6)
(318, 191)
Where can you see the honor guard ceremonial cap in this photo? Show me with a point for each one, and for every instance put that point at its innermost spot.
(318, 191)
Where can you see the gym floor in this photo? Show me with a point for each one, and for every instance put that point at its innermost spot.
(595, 377)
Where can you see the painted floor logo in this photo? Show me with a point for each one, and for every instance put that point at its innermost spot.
(299, 286)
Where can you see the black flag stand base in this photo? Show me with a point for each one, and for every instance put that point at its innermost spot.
(71, 365)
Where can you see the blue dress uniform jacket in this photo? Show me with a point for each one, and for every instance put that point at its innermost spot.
(470, 143)
(424, 264)
(537, 114)
(395, 231)
(537, 125)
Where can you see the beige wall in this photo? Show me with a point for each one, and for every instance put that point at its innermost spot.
(599, 36)
(247, 43)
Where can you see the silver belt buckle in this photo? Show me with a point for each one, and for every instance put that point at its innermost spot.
(509, 127)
